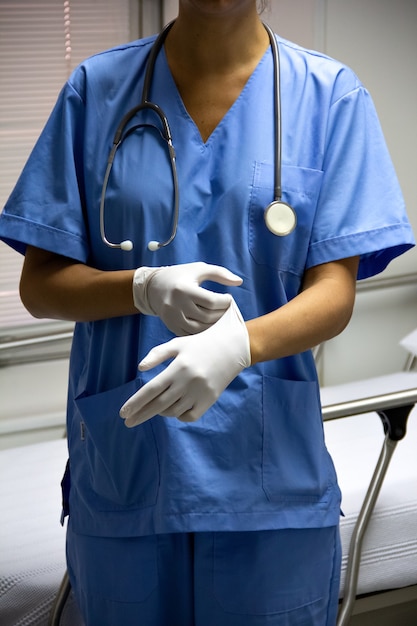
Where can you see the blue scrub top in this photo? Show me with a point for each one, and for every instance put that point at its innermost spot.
(257, 458)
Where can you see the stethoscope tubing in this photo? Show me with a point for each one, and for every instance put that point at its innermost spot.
(277, 107)
(146, 104)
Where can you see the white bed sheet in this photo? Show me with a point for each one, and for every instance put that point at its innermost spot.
(389, 556)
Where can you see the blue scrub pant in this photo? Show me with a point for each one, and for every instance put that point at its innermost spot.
(274, 578)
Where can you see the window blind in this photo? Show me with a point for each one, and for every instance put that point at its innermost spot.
(40, 44)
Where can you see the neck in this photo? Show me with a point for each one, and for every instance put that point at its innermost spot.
(216, 42)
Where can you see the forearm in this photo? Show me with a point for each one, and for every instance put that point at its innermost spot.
(321, 311)
(54, 287)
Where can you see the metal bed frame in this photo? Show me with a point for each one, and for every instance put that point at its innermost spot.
(393, 409)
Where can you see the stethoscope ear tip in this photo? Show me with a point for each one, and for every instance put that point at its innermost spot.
(127, 245)
(153, 246)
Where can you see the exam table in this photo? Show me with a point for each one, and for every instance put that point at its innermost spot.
(34, 590)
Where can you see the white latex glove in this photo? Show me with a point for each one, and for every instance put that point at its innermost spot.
(204, 364)
(174, 294)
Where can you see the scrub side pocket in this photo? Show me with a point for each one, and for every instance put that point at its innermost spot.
(296, 464)
(121, 463)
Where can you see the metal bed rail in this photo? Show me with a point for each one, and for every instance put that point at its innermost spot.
(387, 282)
(393, 409)
(36, 342)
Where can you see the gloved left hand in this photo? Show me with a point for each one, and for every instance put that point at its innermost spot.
(204, 365)
(174, 293)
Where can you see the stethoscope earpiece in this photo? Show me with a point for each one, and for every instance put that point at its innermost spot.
(126, 245)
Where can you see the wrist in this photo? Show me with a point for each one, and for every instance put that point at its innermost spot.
(140, 284)
(255, 342)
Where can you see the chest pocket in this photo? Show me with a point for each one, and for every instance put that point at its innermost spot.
(301, 188)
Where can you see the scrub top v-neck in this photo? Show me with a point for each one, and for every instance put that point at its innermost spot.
(174, 89)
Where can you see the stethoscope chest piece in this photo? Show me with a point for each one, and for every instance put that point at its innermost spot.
(280, 218)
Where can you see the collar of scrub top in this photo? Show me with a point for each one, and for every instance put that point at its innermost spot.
(280, 218)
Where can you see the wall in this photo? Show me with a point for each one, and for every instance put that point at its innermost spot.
(377, 39)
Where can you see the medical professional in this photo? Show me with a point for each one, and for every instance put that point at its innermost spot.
(199, 490)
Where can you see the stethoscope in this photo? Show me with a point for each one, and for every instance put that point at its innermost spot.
(280, 217)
